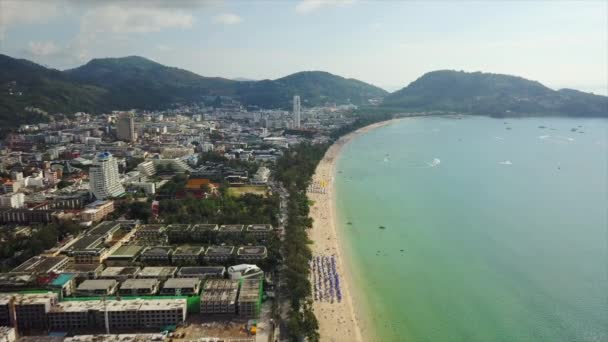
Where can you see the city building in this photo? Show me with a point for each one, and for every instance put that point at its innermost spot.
(296, 111)
(202, 272)
(245, 271)
(203, 232)
(104, 180)
(219, 296)
(97, 211)
(119, 273)
(30, 310)
(247, 253)
(219, 253)
(139, 287)
(41, 265)
(125, 127)
(250, 298)
(158, 272)
(181, 287)
(12, 200)
(156, 255)
(123, 256)
(97, 287)
(261, 231)
(187, 255)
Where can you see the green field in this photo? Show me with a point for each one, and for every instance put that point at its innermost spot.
(249, 189)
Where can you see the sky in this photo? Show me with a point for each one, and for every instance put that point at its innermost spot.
(386, 43)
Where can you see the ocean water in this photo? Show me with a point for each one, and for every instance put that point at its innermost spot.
(479, 229)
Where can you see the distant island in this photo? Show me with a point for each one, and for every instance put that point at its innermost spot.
(31, 93)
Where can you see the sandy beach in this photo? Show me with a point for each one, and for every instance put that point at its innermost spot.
(339, 320)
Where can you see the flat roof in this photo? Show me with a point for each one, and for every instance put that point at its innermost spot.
(96, 284)
(188, 250)
(259, 227)
(178, 227)
(219, 250)
(138, 284)
(87, 242)
(196, 270)
(157, 251)
(62, 279)
(126, 251)
(117, 271)
(231, 228)
(83, 267)
(204, 227)
(151, 228)
(104, 228)
(178, 283)
(157, 271)
(251, 250)
(40, 264)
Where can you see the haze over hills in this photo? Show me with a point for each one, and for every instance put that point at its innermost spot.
(493, 94)
(135, 82)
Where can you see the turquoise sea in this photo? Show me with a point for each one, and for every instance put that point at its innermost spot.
(479, 229)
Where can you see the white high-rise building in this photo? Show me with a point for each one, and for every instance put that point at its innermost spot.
(296, 111)
(104, 180)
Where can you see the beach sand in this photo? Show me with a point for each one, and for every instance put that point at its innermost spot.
(341, 321)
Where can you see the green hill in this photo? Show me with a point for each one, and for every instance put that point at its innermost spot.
(25, 84)
(493, 94)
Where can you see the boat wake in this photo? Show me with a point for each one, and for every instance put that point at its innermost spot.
(434, 162)
(506, 162)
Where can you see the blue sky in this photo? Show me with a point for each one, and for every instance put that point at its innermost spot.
(386, 43)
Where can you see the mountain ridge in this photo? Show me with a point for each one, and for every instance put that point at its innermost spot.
(122, 83)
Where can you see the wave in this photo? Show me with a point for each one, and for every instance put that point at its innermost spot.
(544, 136)
(506, 162)
(434, 162)
(499, 138)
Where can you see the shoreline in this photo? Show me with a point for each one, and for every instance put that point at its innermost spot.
(338, 320)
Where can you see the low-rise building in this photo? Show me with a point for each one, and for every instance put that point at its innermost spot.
(187, 255)
(42, 265)
(160, 255)
(119, 273)
(181, 287)
(203, 232)
(219, 296)
(31, 310)
(152, 233)
(139, 287)
(158, 272)
(261, 231)
(219, 253)
(97, 211)
(179, 233)
(250, 298)
(124, 255)
(247, 253)
(97, 287)
(231, 229)
(202, 272)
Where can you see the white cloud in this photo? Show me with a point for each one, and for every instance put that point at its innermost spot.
(18, 12)
(43, 48)
(120, 19)
(307, 6)
(227, 19)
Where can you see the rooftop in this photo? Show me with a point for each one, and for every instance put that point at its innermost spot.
(219, 250)
(231, 228)
(87, 242)
(126, 251)
(189, 250)
(251, 250)
(40, 264)
(259, 227)
(96, 284)
(178, 283)
(201, 270)
(118, 271)
(157, 272)
(204, 227)
(157, 251)
(104, 228)
(130, 284)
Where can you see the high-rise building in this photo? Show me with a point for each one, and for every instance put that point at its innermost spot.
(296, 111)
(104, 180)
(125, 127)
